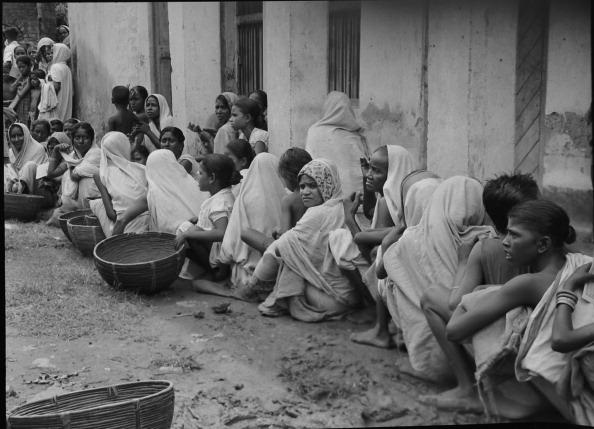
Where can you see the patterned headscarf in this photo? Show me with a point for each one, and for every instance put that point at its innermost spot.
(326, 176)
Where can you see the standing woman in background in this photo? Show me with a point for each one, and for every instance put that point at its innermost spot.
(44, 50)
(225, 132)
(64, 34)
(61, 78)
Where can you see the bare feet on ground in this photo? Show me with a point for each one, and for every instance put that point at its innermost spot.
(374, 338)
(456, 399)
(212, 288)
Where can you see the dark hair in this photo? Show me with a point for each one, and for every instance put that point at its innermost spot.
(57, 122)
(39, 73)
(504, 192)
(290, 164)
(222, 167)
(25, 59)
(72, 121)
(223, 100)
(262, 96)
(84, 126)
(242, 149)
(141, 149)
(140, 90)
(120, 95)
(11, 32)
(248, 106)
(177, 133)
(44, 123)
(546, 218)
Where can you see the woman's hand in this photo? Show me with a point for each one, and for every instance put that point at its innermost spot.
(579, 278)
(62, 147)
(119, 226)
(352, 203)
(194, 127)
(180, 240)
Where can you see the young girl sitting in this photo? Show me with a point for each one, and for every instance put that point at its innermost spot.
(242, 155)
(56, 125)
(205, 234)
(289, 165)
(536, 233)
(247, 119)
(139, 154)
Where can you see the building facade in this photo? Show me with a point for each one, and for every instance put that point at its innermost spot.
(467, 86)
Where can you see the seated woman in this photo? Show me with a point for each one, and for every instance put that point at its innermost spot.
(260, 97)
(139, 154)
(48, 181)
(258, 207)
(159, 117)
(246, 118)
(78, 185)
(121, 182)
(576, 384)
(171, 199)
(217, 175)
(242, 155)
(427, 255)
(173, 138)
(25, 154)
(224, 133)
(292, 209)
(315, 260)
(337, 136)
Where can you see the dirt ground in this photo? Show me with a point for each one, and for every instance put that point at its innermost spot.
(236, 370)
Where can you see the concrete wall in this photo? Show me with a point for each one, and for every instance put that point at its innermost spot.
(471, 75)
(110, 44)
(195, 60)
(295, 69)
(24, 17)
(390, 95)
(567, 154)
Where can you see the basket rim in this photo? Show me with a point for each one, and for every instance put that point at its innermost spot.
(119, 264)
(83, 225)
(82, 211)
(168, 386)
(31, 196)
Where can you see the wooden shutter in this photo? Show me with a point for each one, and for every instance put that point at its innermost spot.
(530, 85)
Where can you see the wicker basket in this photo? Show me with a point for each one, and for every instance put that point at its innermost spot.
(146, 263)
(92, 220)
(63, 219)
(84, 236)
(23, 207)
(145, 404)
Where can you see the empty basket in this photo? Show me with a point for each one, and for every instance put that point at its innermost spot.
(146, 263)
(84, 236)
(23, 207)
(63, 219)
(145, 404)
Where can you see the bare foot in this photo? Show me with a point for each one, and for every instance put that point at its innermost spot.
(457, 399)
(212, 288)
(373, 338)
(362, 317)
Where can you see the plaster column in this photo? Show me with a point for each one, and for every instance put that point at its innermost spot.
(295, 69)
(194, 34)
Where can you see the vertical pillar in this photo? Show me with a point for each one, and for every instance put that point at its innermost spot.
(194, 30)
(295, 69)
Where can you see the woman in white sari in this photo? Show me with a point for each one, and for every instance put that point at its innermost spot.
(25, 154)
(309, 261)
(427, 256)
(44, 48)
(121, 182)
(337, 137)
(159, 116)
(173, 195)
(61, 77)
(258, 207)
(78, 185)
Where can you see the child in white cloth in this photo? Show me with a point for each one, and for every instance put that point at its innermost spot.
(217, 174)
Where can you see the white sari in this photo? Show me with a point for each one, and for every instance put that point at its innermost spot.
(124, 180)
(60, 72)
(257, 206)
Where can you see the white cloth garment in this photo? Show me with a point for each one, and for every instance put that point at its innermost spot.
(60, 72)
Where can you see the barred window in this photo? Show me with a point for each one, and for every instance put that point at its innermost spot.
(249, 37)
(344, 47)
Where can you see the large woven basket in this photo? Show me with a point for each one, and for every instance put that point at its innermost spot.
(84, 236)
(145, 404)
(63, 219)
(23, 207)
(146, 263)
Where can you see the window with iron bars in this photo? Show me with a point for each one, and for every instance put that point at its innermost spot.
(344, 40)
(249, 41)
